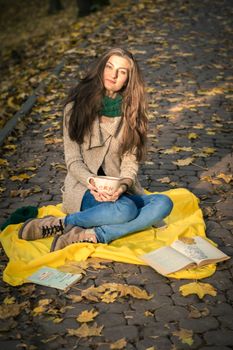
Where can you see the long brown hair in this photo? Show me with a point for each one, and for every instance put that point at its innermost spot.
(87, 101)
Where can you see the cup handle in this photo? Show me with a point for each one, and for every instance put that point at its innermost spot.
(90, 178)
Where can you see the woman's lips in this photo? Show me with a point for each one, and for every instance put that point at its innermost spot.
(110, 81)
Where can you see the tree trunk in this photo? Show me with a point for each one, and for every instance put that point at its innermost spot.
(55, 6)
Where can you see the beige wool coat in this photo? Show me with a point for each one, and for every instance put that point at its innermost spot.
(100, 148)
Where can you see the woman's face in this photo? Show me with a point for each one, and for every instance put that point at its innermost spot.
(116, 73)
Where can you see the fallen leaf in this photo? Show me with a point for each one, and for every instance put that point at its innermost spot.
(185, 335)
(86, 331)
(42, 306)
(211, 180)
(87, 316)
(119, 344)
(11, 310)
(21, 177)
(109, 297)
(9, 300)
(3, 162)
(192, 136)
(75, 298)
(199, 288)
(164, 180)
(196, 313)
(183, 162)
(226, 178)
(187, 240)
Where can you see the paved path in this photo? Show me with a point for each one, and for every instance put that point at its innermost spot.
(184, 51)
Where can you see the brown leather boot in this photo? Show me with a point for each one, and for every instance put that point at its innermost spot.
(74, 235)
(41, 228)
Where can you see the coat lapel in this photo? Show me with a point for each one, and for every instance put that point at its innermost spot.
(102, 133)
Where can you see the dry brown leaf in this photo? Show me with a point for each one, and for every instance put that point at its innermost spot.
(75, 298)
(24, 193)
(185, 335)
(11, 310)
(119, 344)
(164, 180)
(87, 316)
(183, 162)
(53, 141)
(109, 297)
(187, 240)
(211, 180)
(86, 331)
(196, 313)
(199, 288)
(226, 178)
(96, 293)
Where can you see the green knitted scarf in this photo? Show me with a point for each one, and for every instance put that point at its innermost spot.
(111, 107)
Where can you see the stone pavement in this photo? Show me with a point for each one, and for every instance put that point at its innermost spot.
(183, 48)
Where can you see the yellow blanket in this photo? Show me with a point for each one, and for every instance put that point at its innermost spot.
(185, 220)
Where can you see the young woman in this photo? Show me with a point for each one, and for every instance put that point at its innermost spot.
(105, 128)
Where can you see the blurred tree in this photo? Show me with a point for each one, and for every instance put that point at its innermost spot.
(55, 6)
(85, 7)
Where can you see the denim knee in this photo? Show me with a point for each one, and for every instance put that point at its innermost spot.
(125, 210)
(165, 203)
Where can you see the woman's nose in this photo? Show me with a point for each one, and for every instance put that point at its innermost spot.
(114, 73)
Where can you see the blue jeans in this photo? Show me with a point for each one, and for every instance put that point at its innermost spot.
(112, 220)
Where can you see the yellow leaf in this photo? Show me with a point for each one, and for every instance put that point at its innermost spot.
(185, 335)
(183, 162)
(148, 313)
(199, 126)
(86, 331)
(135, 292)
(208, 150)
(119, 344)
(10, 147)
(21, 177)
(211, 180)
(11, 104)
(42, 306)
(192, 136)
(199, 288)
(226, 178)
(109, 297)
(87, 316)
(9, 300)
(53, 141)
(3, 162)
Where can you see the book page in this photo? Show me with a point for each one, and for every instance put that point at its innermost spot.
(199, 250)
(166, 260)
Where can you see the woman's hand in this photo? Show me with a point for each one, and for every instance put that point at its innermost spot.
(105, 197)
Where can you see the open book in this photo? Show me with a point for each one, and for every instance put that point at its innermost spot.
(50, 277)
(182, 254)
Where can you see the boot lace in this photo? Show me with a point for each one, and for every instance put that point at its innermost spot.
(52, 229)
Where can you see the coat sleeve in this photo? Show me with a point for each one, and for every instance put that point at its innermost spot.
(129, 166)
(73, 156)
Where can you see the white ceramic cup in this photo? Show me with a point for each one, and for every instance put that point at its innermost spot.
(107, 184)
